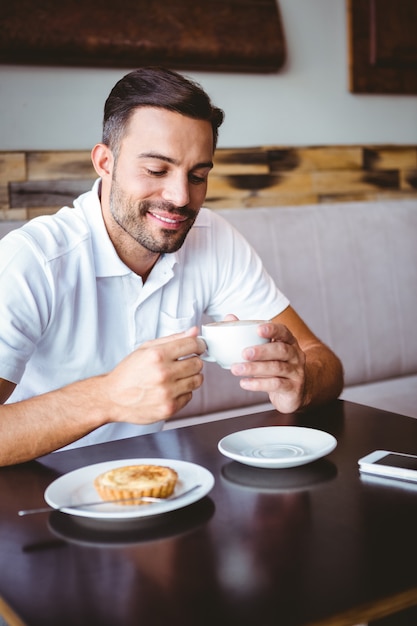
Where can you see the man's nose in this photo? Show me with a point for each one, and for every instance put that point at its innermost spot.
(176, 191)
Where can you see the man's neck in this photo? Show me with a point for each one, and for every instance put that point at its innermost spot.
(137, 258)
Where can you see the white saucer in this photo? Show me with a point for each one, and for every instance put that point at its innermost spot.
(77, 488)
(277, 446)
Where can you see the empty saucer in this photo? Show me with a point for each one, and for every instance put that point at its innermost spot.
(277, 446)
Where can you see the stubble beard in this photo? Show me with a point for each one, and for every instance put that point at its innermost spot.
(131, 216)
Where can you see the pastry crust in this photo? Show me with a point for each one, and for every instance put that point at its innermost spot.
(136, 481)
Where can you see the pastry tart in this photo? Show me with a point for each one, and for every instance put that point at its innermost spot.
(135, 481)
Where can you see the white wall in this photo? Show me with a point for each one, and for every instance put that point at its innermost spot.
(307, 103)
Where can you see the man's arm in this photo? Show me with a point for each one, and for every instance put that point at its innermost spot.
(148, 386)
(296, 369)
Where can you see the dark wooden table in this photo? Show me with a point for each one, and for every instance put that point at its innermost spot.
(316, 544)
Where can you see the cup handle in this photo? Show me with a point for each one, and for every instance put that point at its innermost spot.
(205, 356)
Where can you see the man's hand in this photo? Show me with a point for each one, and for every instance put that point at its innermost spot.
(277, 368)
(156, 380)
(149, 385)
(296, 369)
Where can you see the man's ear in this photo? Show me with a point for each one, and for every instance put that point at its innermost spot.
(103, 160)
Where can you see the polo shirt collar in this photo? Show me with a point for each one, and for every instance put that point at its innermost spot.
(107, 261)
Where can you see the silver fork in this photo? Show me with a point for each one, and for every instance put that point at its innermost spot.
(47, 509)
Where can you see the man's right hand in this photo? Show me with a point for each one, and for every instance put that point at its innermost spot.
(149, 385)
(156, 380)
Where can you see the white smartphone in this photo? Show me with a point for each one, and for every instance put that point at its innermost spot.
(391, 464)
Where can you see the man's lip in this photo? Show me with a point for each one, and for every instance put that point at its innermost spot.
(172, 219)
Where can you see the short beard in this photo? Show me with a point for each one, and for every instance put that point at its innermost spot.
(131, 217)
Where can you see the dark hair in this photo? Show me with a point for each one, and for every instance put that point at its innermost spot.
(155, 87)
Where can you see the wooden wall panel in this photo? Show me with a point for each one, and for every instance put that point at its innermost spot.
(59, 165)
(35, 183)
(12, 167)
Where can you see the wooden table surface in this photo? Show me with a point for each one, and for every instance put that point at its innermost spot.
(317, 544)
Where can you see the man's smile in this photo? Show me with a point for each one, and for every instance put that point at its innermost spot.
(172, 219)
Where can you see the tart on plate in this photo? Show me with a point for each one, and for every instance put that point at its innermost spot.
(131, 482)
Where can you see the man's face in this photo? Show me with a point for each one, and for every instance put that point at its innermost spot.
(160, 179)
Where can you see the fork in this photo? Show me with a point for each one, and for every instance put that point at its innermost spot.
(46, 509)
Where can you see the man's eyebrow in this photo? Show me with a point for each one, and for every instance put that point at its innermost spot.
(167, 159)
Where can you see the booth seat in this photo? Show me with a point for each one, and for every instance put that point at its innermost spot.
(350, 271)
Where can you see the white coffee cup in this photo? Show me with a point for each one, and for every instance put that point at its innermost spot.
(226, 341)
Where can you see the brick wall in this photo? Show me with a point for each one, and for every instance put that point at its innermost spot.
(34, 183)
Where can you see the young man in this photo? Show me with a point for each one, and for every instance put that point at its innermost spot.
(101, 302)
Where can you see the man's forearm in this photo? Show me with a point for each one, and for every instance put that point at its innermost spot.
(150, 385)
(39, 425)
(324, 376)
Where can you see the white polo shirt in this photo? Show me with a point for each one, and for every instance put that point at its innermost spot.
(71, 309)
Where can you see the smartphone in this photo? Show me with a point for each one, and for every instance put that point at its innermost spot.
(391, 464)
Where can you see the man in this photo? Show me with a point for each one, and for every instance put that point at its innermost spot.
(100, 304)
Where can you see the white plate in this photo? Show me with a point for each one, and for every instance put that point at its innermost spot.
(277, 446)
(77, 487)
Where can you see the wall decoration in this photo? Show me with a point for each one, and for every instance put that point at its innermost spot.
(216, 35)
(383, 46)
